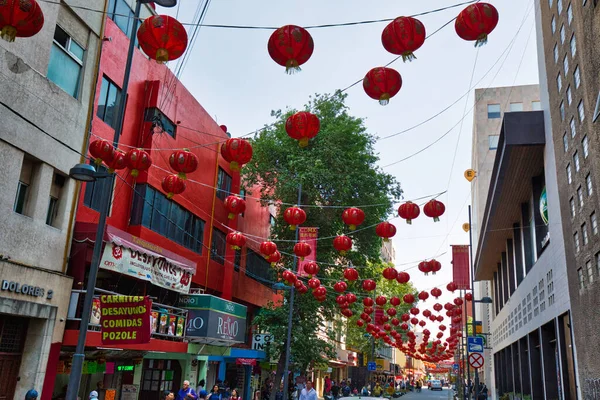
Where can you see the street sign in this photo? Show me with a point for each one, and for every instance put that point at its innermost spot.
(475, 344)
(371, 366)
(478, 327)
(476, 360)
(482, 336)
(455, 367)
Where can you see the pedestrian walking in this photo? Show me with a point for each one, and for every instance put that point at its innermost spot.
(308, 393)
(186, 392)
(31, 395)
(234, 395)
(215, 394)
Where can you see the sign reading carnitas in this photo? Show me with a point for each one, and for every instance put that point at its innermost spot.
(125, 319)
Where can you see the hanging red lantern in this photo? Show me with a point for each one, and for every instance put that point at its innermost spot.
(456, 320)
(368, 310)
(434, 266)
(360, 323)
(409, 298)
(302, 126)
(439, 335)
(298, 284)
(346, 312)
(435, 292)
(422, 323)
(353, 217)
(314, 283)
(294, 216)
(434, 209)
(414, 311)
(289, 277)
(302, 249)
(414, 321)
(476, 22)
(458, 301)
(403, 277)
(236, 240)
(342, 243)
(351, 298)
(341, 299)
(22, 18)
(442, 327)
(451, 287)
(381, 300)
(391, 312)
(102, 151)
(368, 302)
(427, 313)
(138, 160)
(351, 274)
(162, 38)
(423, 296)
(382, 84)
(395, 301)
(404, 327)
(469, 296)
(302, 289)
(390, 273)
(172, 185)
(395, 322)
(311, 268)
(118, 162)
(403, 36)
(409, 211)
(183, 162)
(236, 152)
(290, 46)
(385, 230)
(320, 292)
(369, 285)
(234, 205)
(274, 258)
(340, 286)
(424, 267)
(448, 306)
(267, 249)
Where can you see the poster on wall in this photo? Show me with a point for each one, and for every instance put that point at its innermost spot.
(125, 319)
(460, 267)
(308, 235)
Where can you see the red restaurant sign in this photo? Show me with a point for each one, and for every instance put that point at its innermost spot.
(308, 235)
(125, 319)
(460, 267)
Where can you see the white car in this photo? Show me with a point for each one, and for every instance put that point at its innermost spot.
(435, 385)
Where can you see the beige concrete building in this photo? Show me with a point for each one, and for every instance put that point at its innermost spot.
(46, 83)
(388, 252)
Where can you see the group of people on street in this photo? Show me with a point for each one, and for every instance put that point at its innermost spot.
(335, 390)
(220, 391)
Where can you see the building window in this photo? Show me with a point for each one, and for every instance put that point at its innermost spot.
(576, 241)
(94, 190)
(562, 110)
(576, 161)
(58, 183)
(21, 198)
(573, 45)
(588, 184)
(154, 211)
(493, 141)
(569, 96)
(66, 62)
(570, 14)
(580, 196)
(584, 233)
(218, 246)
(577, 77)
(562, 34)
(556, 53)
(586, 146)
(566, 64)
(594, 222)
(108, 102)
(573, 127)
(572, 205)
(160, 121)
(536, 105)
(569, 178)
(597, 110)
(494, 111)
(516, 107)
(559, 82)
(550, 2)
(559, 5)
(565, 142)
(122, 15)
(52, 211)
(581, 111)
(223, 184)
(598, 263)
(258, 268)
(590, 271)
(581, 279)
(553, 24)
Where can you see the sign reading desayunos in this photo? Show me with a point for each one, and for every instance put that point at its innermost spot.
(125, 319)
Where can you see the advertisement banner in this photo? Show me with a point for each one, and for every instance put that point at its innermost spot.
(125, 319)
(460, 267)
(308, 235)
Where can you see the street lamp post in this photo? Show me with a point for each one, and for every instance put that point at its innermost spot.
(81, 173)
(476, 391)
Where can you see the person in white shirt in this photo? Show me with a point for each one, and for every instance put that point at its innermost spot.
(308, 393)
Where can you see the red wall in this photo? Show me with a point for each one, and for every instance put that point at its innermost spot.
(153, 85)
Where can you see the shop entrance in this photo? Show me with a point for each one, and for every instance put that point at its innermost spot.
(13, 332)
(158, 376)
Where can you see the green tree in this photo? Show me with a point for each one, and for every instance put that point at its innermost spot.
(338, 168)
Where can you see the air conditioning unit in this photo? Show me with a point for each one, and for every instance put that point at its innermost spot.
(196, 291)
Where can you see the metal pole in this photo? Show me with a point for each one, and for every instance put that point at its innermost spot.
(464, 340)
(288, 348)
(79, 356)
(476, 391)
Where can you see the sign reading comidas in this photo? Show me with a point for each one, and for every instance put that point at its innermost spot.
(125, 319)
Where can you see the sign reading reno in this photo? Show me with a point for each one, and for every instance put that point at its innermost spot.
(125, 319)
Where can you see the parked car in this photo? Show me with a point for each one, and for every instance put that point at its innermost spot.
(435, 385)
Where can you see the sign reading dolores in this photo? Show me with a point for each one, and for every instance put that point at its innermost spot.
(125, 319)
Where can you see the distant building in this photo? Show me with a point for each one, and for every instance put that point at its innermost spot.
(388, 252)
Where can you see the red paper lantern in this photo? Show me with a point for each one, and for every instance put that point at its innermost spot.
(302, 126)
(102, 151)
(294, 216)
(458, 301)
(360, 323)
(314, 283)
(385, 230)
(351, 298)
(172, 185)
(118, 162)
(346, 312)
(414, 321)
(422, 323)
(434, 266)
(414, 311)
(311, 268)
(223, 128)
(234, 205)
(476, 22)
(368, 310)
(162, 38)
(404, 327)
(439, 335)
(390, 273)
(442, 327)
(351, 274)
(20, 18)
(469, 296)
(298, 284)
(423, 296)
(451, 287)
(426, 313)
(403, 36)
(395, 301)
(289, 277)
(302, 249)
(320, 292)
(395, 322)
(381, 300)
(353, 217)
(369, 285)
(409, 298)
(342, 244)
(391, 312)
(274, 258)
(382, 84)
(341, 299)
(236, 240)
(409, 211)
(435, 292)
(138, 160)
(236, 152)
(290, 46)
(434, 209)
(183, 162)
(424, 267)
(368, 302)
(403, 277)
(340, 287)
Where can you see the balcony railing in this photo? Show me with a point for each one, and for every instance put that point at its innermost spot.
(166, 322)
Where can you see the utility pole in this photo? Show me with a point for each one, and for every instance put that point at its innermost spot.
(476, 391)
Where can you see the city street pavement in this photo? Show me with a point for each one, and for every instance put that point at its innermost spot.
(425, 394)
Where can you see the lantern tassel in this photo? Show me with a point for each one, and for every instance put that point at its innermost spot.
(170, 195)
(408, 56)
(352, 227)
(292, 227)
(135, 173)
(292, 67)
(384, 99)
(343, 252)
(409, 221)
(162, 56)
(182, 175)
(481, 40)
(436, 219)
(8, 33)
(234, 166)
(303, 142)
(231, 216)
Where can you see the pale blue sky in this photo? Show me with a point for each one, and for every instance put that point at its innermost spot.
(230, 72)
